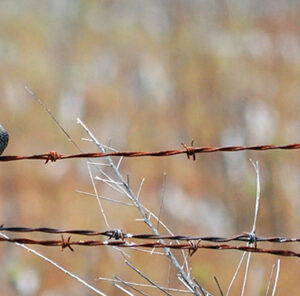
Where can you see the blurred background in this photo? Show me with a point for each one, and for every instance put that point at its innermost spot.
(148, 75)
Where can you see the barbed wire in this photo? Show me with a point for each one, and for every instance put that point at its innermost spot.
(191, 246)
(190, 151)
(119, 234)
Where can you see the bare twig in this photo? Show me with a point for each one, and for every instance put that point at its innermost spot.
(116, 278)
(32, 94)
(276, 277)
(256, 167)
(147, 278)
(251, 234)
(98, 199)
(123, 289)
(140, 208)
(219, 287)
(270, 280)
(142, 285)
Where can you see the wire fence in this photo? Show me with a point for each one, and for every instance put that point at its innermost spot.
(191, 246)
(117, 238)
(193, 243)
(119, 234)
(190, 151)
(145, 242)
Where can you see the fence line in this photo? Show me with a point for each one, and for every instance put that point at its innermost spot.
(119, 234)
(190, 151)
(192, 243)
(191, 246)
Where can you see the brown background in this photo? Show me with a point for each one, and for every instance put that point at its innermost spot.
(148, 75)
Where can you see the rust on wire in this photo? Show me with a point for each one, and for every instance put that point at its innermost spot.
(66, 243)
(188, 150)
(52, 156)
(192, 248)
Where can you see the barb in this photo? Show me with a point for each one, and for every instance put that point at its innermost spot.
(119, 234)
(63, 243)
(189, 151)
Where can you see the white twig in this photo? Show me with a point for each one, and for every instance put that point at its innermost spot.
(118, 184)
(99, 163)
(107, 198)
(256, 167)
(270, 280)
(143, 285)
(140, 188)
(235, 273)
(276, 277)
(130, 286)
(123, 289)
(119, 162)
(107, 181)
(246, 274)
(98, 199)
(147, 278)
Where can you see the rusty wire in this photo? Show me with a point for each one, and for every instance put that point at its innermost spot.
(191, 246)
(119, 234)
(192, 243)
(190, 151)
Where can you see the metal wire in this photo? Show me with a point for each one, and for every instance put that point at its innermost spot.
(119, 234)
(191, 246)
(192, 243)
(188, 150)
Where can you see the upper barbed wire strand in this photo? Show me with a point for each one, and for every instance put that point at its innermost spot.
(188, 150)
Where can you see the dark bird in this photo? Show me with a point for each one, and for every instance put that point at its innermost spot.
(3, 138)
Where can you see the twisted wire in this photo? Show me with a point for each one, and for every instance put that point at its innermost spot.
(190, 246)
(188, 150)
(119, 234)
